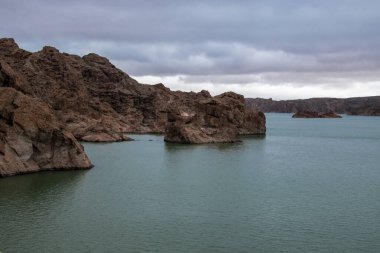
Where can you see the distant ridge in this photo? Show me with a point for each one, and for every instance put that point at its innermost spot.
(368, 106)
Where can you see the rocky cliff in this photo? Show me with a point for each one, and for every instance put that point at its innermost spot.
(98, 102)
(32, 138)
(369, 106)
(87, 93)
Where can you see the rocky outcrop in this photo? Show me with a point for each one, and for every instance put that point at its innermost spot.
(75, 87)
(98, 102)
(369, 106)
(32, 138)
(213, 119)
(313, 114)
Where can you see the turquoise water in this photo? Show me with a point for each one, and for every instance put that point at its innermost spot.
(311, 185)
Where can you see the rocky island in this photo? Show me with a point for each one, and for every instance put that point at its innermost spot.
(213, 119)
(89, 99)
(313, 114)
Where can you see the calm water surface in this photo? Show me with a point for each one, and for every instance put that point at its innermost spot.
(311, 185)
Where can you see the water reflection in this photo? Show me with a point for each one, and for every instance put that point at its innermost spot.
(38, 184)
(252, 137)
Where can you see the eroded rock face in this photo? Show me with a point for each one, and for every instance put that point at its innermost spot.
(73, 86)
(313, 114)
(32, 139)
(98, 102)
(213, 119)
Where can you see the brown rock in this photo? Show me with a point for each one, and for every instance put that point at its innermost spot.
(312, 114)
(212, 120)
(32, 139)
(330, 115)
(86, 93)
(98, 102)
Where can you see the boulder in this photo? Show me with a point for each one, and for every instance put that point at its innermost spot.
(213, 120)
(32, 138)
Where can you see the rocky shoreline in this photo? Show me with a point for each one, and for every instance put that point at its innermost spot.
(88, 99)
(363, 106)
(313, 115)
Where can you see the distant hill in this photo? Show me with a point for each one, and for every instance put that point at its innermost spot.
(369, 106)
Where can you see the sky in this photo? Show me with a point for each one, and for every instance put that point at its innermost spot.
(280, 49)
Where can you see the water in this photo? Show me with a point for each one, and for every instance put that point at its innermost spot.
(311, 185)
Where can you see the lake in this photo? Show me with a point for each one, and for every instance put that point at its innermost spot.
(310, 185)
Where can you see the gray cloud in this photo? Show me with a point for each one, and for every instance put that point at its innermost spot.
(292, 40)
(322, 79)
(236, 58)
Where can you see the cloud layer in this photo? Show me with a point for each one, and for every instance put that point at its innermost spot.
(309, 48)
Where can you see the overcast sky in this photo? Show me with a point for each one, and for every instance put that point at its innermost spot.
(270, 48)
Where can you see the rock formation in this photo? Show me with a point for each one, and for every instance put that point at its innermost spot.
(98, 102)
(74, 87)
(32, 139)
(369, 106)
(313, 114)
(213, 119)
(49, 98)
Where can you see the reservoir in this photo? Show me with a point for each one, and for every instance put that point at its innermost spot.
(309, 185)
